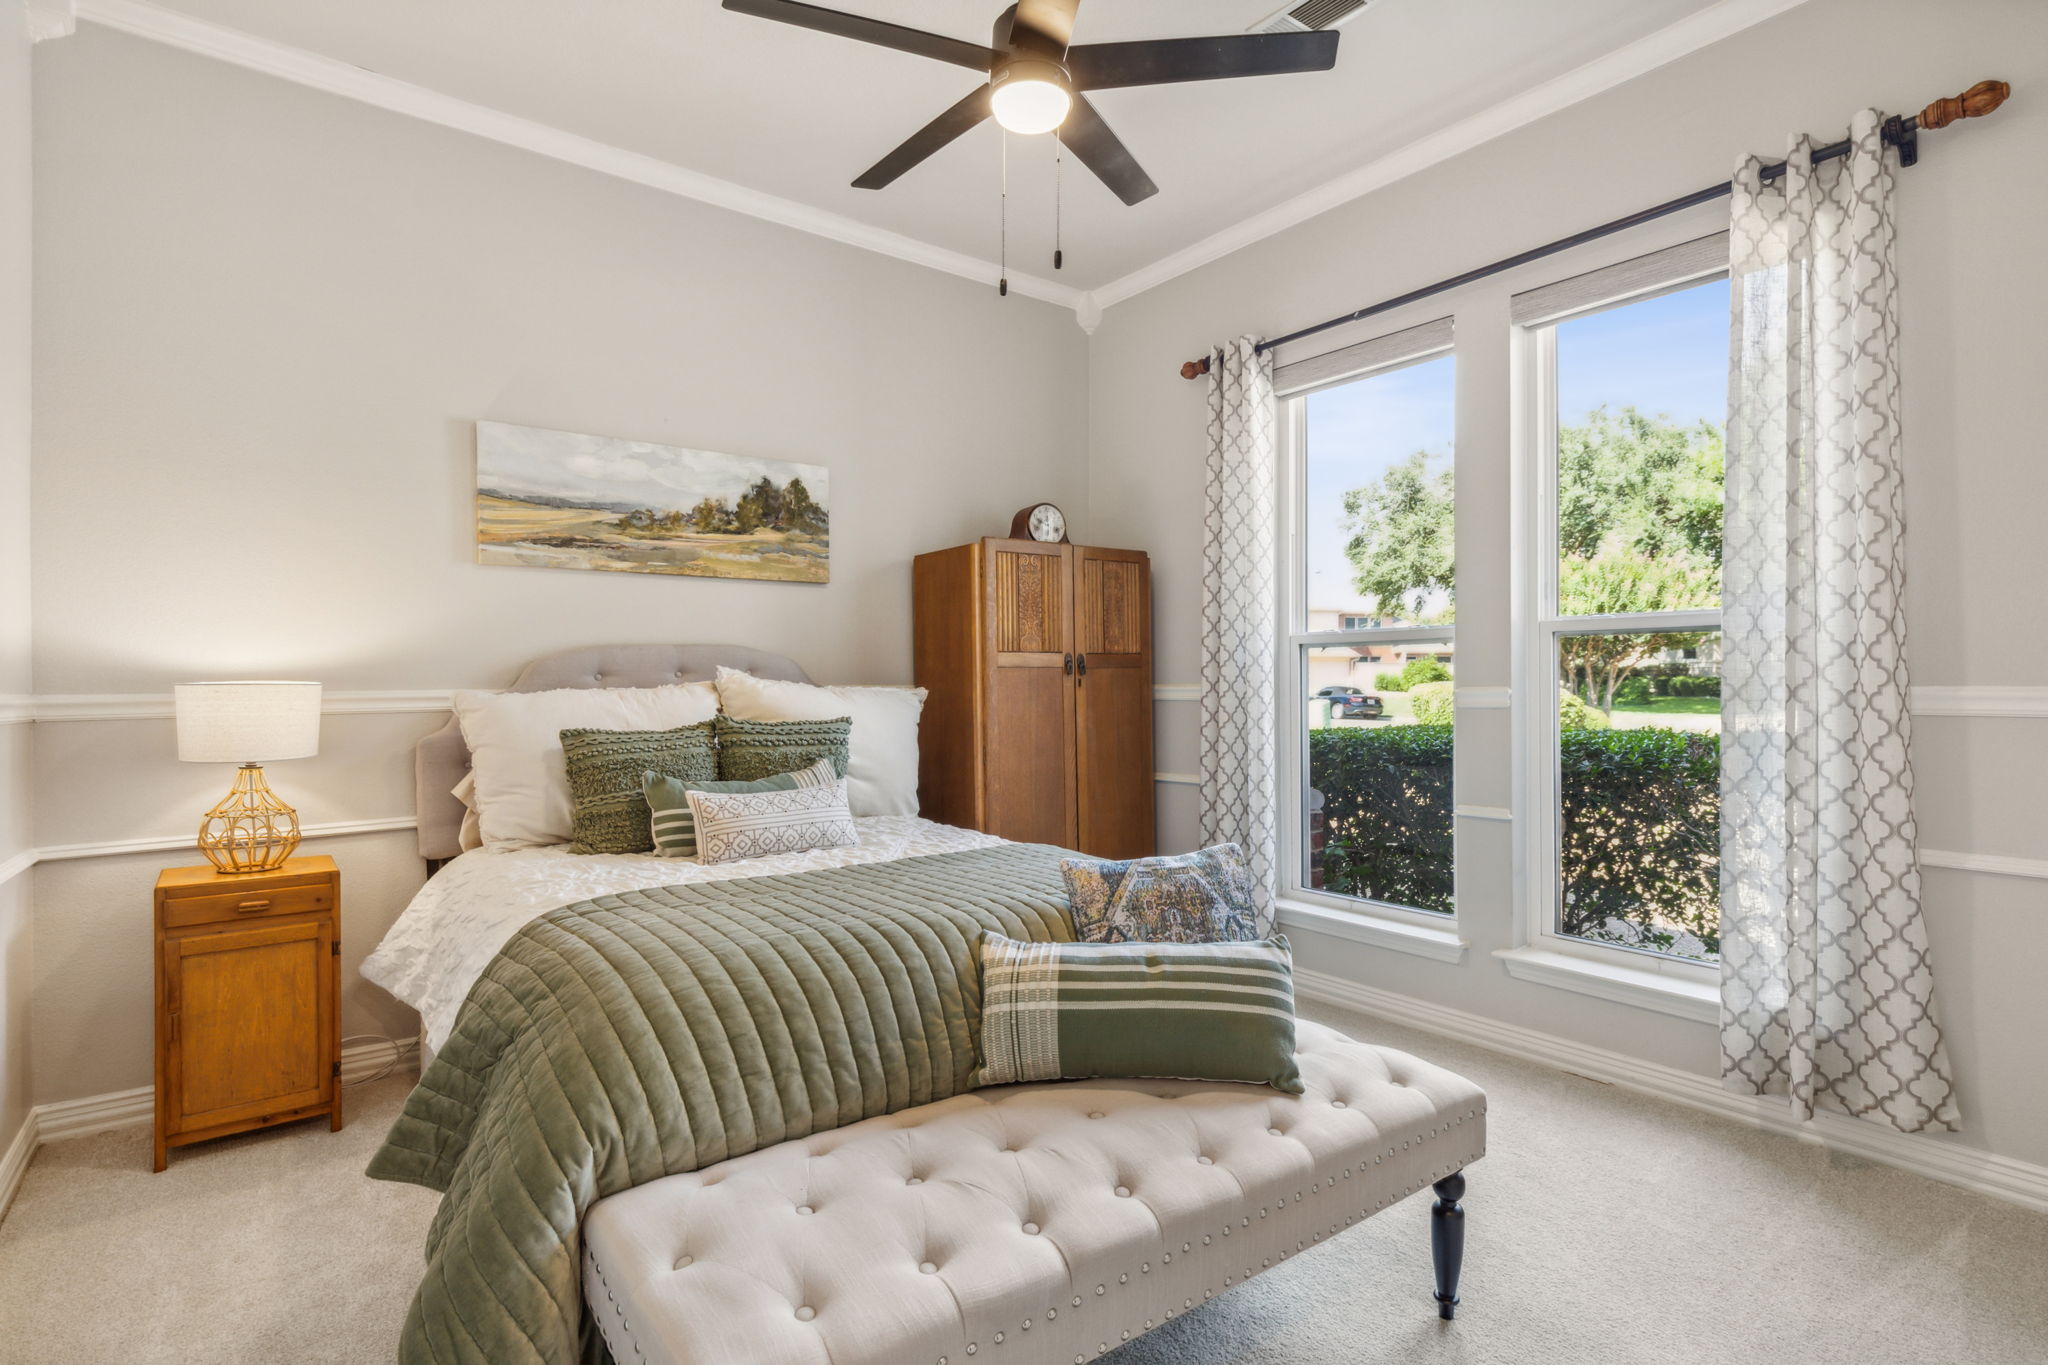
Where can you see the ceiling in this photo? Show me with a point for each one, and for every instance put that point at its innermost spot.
(798, 114)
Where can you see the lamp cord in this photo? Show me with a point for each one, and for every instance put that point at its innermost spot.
(1003, 230)
(1058, 165)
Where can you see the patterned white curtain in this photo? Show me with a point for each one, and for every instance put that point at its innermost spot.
(1827, 993)
(1238, 613)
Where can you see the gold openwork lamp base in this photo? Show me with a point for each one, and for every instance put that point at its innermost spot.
(250, 830)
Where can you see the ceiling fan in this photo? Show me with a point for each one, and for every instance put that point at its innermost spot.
(1037, 79)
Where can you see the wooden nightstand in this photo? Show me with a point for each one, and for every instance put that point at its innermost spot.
(248, 989)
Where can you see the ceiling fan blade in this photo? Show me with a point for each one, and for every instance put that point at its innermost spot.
(1167, 61)
(1043, 27)
(927, 140)
(1100, 150)
(866, 30)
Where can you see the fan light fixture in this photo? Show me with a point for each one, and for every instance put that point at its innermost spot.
(1030, 97)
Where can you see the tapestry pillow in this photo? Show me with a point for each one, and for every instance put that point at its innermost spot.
(749, 750)
(668, 806)
(740, 825)
(881, 757)
(1198, 897)
(515, 748)
(1191, 1011)
(607, 813)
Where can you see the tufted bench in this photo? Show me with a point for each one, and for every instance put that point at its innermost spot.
(1027, 1223)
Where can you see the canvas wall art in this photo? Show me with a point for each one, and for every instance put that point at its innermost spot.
(557, 500)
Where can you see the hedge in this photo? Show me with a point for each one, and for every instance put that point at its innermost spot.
(1641, 827)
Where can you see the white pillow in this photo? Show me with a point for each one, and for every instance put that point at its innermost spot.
(881, 749)
(471, 835)
(515, 748)
(735, 826)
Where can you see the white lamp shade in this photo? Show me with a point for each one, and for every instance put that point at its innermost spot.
(247, 722)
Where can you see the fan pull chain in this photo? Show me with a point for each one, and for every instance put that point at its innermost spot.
(1003, 251)
(1058, 164)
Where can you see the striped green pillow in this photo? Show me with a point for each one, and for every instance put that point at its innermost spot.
(606, 767)
(749, 750)
(674, 825)
(1195, 1011)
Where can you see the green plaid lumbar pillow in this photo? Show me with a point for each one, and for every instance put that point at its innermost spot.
(1194, 1011)
(606, 770)
(668, 802)
(749, 750)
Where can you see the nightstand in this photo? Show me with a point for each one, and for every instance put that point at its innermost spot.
(248, 989)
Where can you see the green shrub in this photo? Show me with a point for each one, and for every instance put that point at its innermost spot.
(1635, 691)
(1424, 670)
(1388, 682)
(1689, 685)
(1574, 714)
(1435, 703)
(1641, 825)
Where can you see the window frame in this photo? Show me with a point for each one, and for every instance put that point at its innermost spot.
(1431, 933)
(1544, 953)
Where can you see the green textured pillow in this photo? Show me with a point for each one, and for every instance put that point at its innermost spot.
(607, 813)
(675, 824)
(1193, 1011)
(749, 750)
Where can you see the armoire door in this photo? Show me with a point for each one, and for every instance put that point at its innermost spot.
(1029, 772)
(1113, 702)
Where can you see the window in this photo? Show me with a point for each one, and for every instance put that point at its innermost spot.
(1371, 646)
(1623, 666)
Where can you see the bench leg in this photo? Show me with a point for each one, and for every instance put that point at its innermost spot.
(1447, 1241)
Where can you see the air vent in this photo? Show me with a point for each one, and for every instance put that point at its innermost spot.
(1311, 14)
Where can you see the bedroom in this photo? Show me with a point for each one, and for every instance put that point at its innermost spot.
(271, 270)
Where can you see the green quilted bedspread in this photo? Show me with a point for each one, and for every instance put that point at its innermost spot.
(630, 1037)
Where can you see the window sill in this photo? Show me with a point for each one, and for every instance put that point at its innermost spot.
(1423, 940)
(1698, 1000)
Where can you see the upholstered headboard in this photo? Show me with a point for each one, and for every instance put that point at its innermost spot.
(442, 757)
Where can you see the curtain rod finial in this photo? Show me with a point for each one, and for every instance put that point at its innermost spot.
(1194, 368)
(1979, 100)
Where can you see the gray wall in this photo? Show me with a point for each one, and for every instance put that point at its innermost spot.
(1974, 282)
(267, 319)
(15, 836)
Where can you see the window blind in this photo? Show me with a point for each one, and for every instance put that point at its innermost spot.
(1670, 268)
(1410, 343)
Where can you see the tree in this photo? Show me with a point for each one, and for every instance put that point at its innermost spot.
(1401, 545)
(800, 511)
(1616, 578)
(1652, 481)
(711, 516)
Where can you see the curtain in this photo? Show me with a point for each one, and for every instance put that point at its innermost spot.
(1827, 991)
(1238, 613)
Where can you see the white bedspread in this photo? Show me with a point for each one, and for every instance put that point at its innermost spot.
(438, 948)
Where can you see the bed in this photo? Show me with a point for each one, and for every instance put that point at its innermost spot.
(624, 1054)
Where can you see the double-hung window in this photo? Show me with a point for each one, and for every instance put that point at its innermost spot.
(1626, 399)
(1369, 649)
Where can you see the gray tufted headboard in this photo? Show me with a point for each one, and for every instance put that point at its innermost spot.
(442, 758)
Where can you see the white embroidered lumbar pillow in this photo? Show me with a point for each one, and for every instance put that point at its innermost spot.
(739, 825)
(881, 747)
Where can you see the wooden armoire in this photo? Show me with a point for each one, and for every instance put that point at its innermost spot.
(1038, 660)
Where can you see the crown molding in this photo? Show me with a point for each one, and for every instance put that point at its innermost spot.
(1668, 44)
(218, 41)
(51, 19)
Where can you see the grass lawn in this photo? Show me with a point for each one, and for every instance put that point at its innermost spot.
(1674, 706)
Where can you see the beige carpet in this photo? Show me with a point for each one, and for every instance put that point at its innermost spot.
(1603, 1228)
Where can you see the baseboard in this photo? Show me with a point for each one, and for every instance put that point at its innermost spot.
(14, 1162)
(120, 1108)
(2001, 1177)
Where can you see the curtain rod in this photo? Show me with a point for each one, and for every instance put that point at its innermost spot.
(1979, 100)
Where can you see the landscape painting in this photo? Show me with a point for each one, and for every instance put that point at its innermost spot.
(557, 500)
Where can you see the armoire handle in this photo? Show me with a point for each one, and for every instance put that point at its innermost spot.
(1068, 666)
(1081, 664)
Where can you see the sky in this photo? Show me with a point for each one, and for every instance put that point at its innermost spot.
(1666, 355)
(527, 460)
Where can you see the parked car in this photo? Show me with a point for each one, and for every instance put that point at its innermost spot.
(1348, 703)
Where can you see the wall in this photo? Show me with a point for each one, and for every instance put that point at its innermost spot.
(266, 319)
(1969, 221)
(15, 677)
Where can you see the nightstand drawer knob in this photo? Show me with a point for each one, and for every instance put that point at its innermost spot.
(251, 907)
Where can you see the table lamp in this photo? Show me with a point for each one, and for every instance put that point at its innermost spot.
(249, 723)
